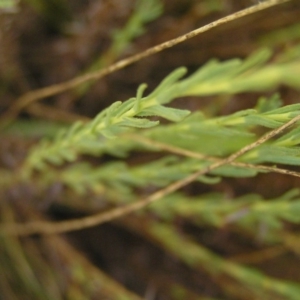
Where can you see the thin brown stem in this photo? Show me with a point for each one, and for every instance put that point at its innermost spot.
(192, 154)
(51, 113)
(36, 95)
(41, 227)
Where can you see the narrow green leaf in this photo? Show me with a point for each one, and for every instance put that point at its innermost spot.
(172, 114)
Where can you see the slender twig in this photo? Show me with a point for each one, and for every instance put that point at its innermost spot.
(192, 154)
(260, 255)
(52, 113)
(36, 95)
(41, 227)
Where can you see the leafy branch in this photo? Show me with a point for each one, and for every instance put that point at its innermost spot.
(248, 212)
(214, 77)
(82, 138)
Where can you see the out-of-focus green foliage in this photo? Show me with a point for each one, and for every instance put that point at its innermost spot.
(181, 142)
(8, 4)
(144, 12)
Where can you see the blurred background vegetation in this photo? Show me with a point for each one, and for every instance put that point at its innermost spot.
(147, 255)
